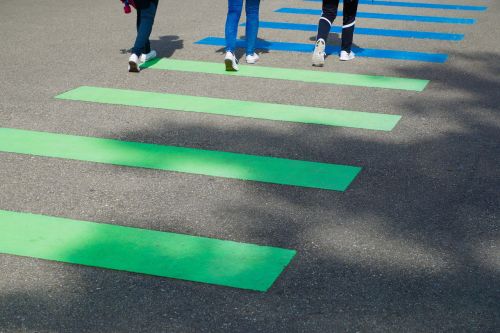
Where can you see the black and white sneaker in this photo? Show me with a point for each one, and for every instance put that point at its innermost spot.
(318, 58)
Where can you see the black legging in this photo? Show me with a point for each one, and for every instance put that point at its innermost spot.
(329, 14)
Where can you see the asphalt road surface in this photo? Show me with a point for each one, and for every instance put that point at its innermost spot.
(413, 245)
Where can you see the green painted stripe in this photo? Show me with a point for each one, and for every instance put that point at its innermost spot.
(165, 254)
(290, 113)
(180, 159)
(371, 81)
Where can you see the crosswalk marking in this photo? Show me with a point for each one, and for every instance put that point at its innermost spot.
(180, 159)
(310, 76)
(200, 259)
(227, 107)
(416, 5)
(366, 31)
(309, 47)
(384, 16)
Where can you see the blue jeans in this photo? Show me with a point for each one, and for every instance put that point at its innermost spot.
(145, 20)
(233, 18)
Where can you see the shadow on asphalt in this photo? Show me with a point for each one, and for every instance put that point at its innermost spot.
(334, 39)
(240, 52)
(411, 242)
(165, 46)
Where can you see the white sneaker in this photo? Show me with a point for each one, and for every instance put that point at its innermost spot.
(318, 58)
(148, 56)
(252, 58)
(231, 62)
(134, 64)
(344, 56)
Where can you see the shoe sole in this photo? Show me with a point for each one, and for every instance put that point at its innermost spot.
(133, 67)
(229, 65)
(318, 63)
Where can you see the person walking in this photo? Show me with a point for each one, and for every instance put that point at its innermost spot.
(141, 51)
(252, 28)
(330, 8)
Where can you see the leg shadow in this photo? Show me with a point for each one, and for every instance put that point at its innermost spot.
(165, 46)
(240, 51)
(335, 39)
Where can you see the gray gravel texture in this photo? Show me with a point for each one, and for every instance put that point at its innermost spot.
(412, 246)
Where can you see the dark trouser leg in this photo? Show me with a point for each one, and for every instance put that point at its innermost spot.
(325, 22)
(350, 10)
(145, 20)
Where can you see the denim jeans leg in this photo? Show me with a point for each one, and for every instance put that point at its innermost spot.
(145, 20)
(252, 28)
(233, 18)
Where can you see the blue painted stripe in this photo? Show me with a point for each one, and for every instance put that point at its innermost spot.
(365, 31)
(308, 48)
(382, 16)
(416, 5)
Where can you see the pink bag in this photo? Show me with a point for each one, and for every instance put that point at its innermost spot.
(127, 4)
